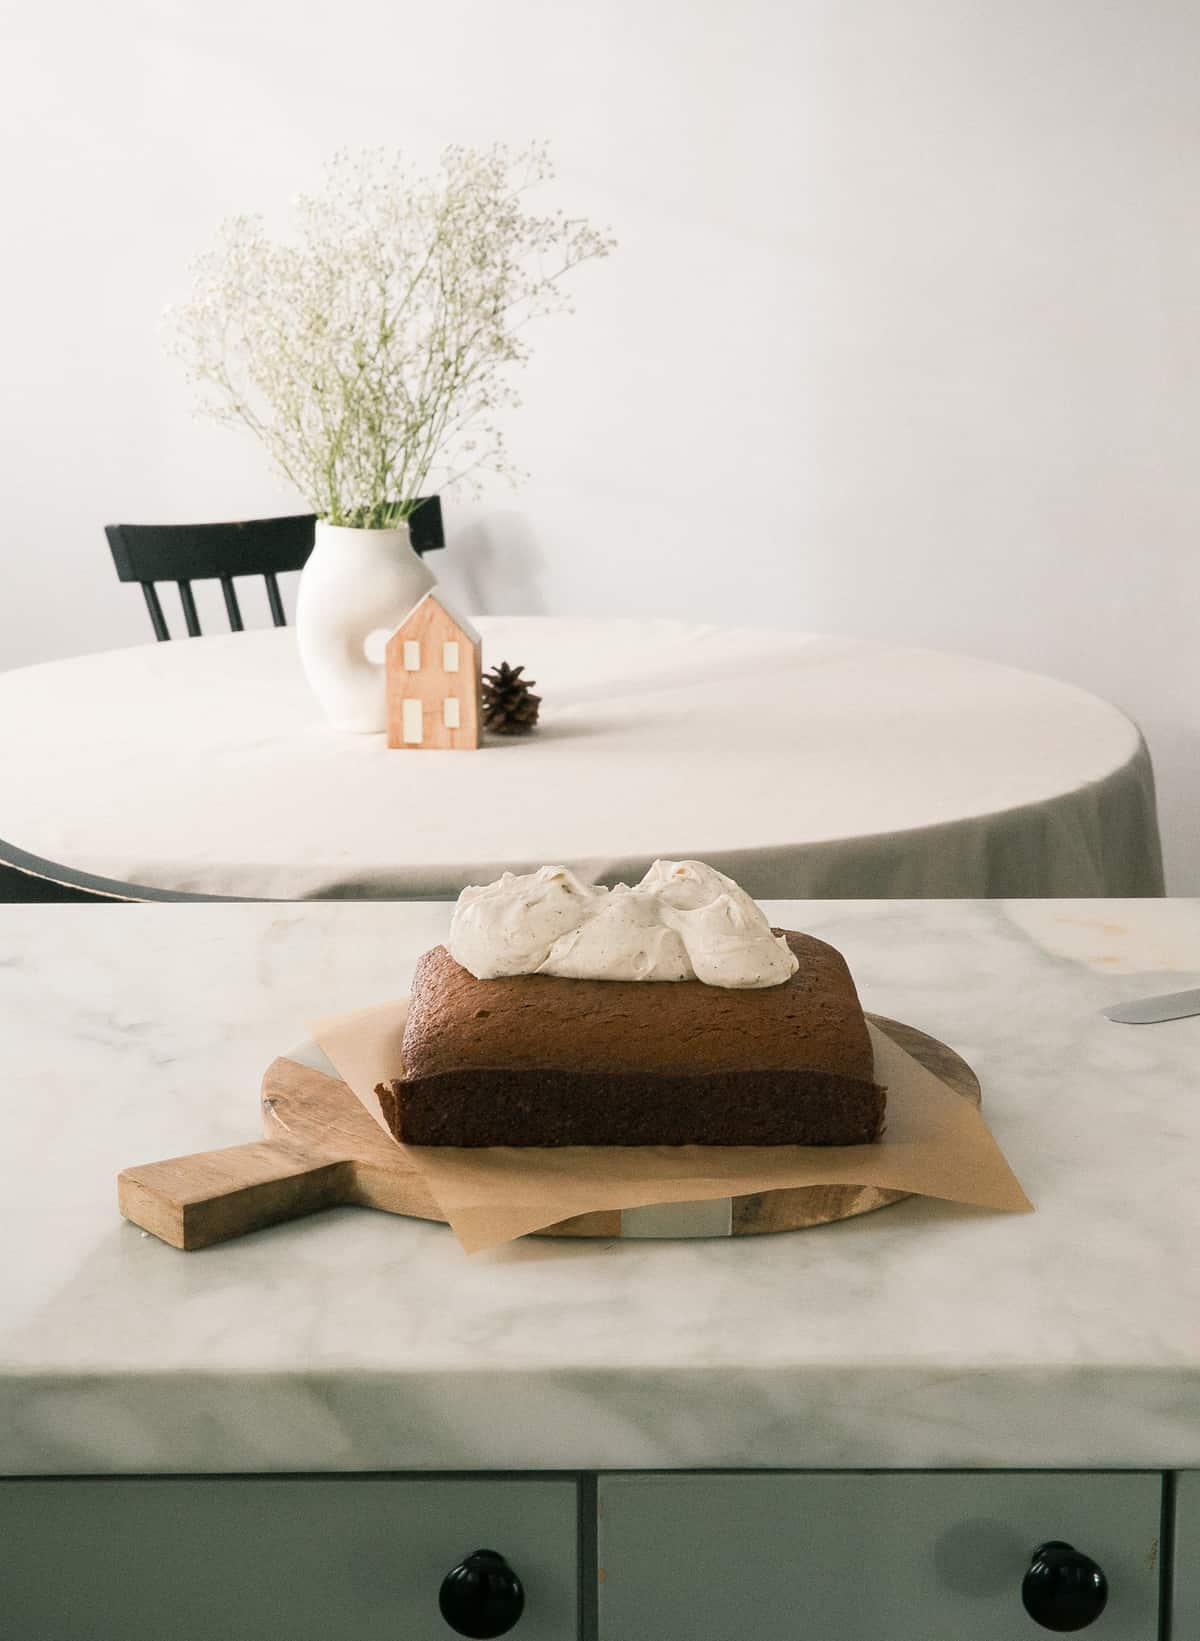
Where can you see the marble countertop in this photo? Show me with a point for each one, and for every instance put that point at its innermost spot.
(925, 1335)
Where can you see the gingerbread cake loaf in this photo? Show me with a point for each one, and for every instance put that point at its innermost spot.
(543, 1059)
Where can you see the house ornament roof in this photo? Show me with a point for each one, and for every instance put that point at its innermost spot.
(439, 597)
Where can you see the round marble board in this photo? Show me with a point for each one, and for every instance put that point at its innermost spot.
(321, 1149)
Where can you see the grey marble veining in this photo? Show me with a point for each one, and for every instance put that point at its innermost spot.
(923, 1335)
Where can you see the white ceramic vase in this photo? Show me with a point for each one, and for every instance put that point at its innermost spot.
(356, 586)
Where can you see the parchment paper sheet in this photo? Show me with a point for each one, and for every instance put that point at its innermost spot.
(936, 1144)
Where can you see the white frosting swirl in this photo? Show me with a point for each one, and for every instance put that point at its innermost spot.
(683, 921)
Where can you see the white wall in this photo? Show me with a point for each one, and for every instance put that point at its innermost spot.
(901, 339)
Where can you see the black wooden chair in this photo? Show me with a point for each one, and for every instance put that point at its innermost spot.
(184, 553)
(28, 878)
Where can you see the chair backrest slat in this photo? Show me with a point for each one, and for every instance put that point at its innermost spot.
(157, 618)
(232, 608)
(425, 525)
(274, 600)
(203, 552)
(189, 609)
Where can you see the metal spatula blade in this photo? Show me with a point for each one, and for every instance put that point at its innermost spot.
(1147, 1011)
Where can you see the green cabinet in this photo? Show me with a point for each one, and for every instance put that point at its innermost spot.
(1186, 1558)
(681, 1556)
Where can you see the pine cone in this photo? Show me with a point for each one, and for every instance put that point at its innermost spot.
(509, 704)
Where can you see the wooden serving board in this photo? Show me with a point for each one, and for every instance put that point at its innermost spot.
(320, 1149)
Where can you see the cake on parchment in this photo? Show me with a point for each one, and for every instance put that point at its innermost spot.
(665, 1014)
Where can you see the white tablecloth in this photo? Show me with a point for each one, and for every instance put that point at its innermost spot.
(803, 766)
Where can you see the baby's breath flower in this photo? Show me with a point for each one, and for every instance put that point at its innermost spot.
(372, 352)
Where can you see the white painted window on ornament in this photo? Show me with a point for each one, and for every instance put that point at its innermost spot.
(450, 717)
(450, 657)
(413, 731)
(412, 655)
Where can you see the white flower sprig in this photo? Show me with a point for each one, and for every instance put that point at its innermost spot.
(377, 348)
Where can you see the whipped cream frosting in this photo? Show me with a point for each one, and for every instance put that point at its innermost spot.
(683, 921)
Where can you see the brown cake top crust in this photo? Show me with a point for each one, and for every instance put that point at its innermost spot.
(813, 1021)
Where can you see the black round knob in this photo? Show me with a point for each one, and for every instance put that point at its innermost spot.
(482, 1596)
(1063, 1590)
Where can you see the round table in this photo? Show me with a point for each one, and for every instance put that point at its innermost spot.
(803, 766)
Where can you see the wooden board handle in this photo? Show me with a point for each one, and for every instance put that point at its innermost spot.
(192, 1202)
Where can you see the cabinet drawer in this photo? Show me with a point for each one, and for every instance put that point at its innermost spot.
(299, 1559)
(914, 1557)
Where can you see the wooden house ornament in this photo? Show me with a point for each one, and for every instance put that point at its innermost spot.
(434, 662)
